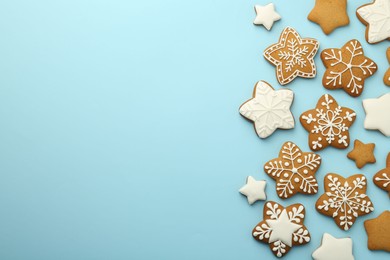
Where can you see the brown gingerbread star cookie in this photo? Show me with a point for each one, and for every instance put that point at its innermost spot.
(282, 228)
(344, 199)
(329, 14)
(382, 178)
(362, 153)
(378, 232)
(328, 124)
(294, 171)
(386, 77)
(347, 68)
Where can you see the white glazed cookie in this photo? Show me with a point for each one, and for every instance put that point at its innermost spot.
(376, 16)
(334, 249)
(377, 114)
(266, 15)
(253, 190)
(269, 109)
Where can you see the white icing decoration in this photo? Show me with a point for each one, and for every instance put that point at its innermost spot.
(269, 109)
(254, 190)
(282, 229)
(377, 15)
(377, 114)
(334, 249)
(266, 15)
(385, 178)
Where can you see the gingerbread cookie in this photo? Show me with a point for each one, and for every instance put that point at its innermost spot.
(294, 171)
(347, 68)
(269, 109)
(253, 190)
(329, 14)
(328, 124)
(334, 249)
(344, 199)
(382, 178)
(376, 16)
(377, 114)
(386, 77)
(282, 228)
(293, 56)
(266, 15)
(362, 154)
(378, 232)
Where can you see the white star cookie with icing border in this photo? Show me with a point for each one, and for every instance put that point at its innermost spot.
(253, 190)
(266, 15)
(377, 114)
(269, 109)
(376, 16)
(334, 249)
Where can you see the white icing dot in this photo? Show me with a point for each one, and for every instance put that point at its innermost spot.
(299, 160)
(285, 175)
(296, 179)
(305, 171)
(286, 164)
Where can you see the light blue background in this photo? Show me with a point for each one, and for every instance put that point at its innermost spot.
(120, 136)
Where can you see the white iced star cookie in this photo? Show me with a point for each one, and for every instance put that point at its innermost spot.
(377, 114)
(269, 109)
(376, 16)
(334, 249)
(253, 190)
(266, 15)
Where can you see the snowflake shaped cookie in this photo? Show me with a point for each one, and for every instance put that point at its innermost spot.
(293, 56)
(328, 124)
(344, 199)
(282, 228)
(377, 117)
(347, 68)
(269, 109)
(376, 16)
(382, 178)
(294, 171)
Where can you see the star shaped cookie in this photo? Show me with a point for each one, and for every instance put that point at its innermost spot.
(334, 249)
(386, 77)
(362, 154)
(266, 15)
(253, 190)
(293, 56)
(282, 228)
(382, 178)
(294, 171)
(329, 14)
(378, 232)
(376, 16)
(347, 68)
(344, 199)
(328, 124)
(377, 117)
(269, 109)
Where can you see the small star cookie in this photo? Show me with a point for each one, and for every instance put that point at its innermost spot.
(269, 109)
(329, 14)
(386, 77)
(334, 249)
(347, 68)
(378, 232)
(328, 124)
(293, 56)
(294, 171)
(253, 190)
(382, 178)
(266, 15)
(377, 114)
(344, 199)
(282, 228)
(362, 154)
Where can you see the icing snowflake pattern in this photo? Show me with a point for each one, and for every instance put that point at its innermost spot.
(294, 171)
(382, 178)
(328, 124)
(345, 199)
(281, 241)
(347, 68)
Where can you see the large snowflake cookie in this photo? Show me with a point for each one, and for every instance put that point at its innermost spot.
(344, 199)
(294, 171)
(269, 109)
(347, 68)
(376, 16)
(328, 124)
(382, 178)
(282, 228)
(293, 56)
(377, 114)
(334, 249)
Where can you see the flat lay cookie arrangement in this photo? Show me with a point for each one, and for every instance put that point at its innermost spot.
(347, 69)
